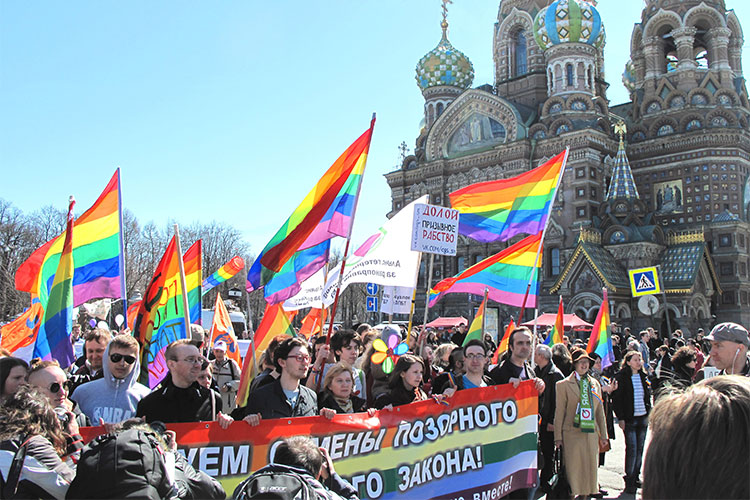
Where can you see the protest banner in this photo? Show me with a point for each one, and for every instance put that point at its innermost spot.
(435, 229)
(482, 444)
(396, 299)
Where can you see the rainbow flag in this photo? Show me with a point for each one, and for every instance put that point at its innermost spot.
(600, 340)
(96, 254)
(274, 322)
(506, 274)
(193, 263)
(502, 346)
(475, 329)
(556, 335)
(53, 339)
(225, 272)
(161, 317)
(222, 329)
(301, 245)
(498, 210)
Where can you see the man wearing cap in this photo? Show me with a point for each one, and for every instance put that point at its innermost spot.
(226, 374)
(729, 345)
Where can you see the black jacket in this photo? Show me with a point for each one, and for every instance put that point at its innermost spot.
(271, 402)
(550, 375)
(505, 371)
(326, 400)
(170, 404)
(398, 396)
(622, 398)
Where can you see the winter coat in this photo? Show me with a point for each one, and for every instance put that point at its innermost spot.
(550, 375)
(171, 404)
(505, 371)
(399, 395)
(327, 400)
(622, 398)
(271, 402)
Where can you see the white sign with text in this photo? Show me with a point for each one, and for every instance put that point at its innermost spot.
(435, 229)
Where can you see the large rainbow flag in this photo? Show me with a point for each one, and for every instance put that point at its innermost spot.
(475, 329)
(96, 254)
(53, 339)
(275, 322)
(600, 340)
(556, 335)
(193, 263)
(301, 245)
(506, 274)
(225, 272)
(498, 210)
(161, 317)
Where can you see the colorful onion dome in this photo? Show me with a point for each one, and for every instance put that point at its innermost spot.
(565, 21)
(444, 65)
(628, 77)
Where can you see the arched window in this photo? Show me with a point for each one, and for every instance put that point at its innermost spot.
(440, 108)
(569, 75)
(554, 262)
(519, 50)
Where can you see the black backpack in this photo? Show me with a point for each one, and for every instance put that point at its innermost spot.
(276, 482)
(126, 465)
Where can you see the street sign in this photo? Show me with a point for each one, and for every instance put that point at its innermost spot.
(644, 281)
(372, 304)
(372, 288)
(435, 229)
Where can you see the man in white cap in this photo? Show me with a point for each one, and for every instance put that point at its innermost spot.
(226, 374)
(729, 346)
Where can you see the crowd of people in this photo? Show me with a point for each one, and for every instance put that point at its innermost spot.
(668, 384)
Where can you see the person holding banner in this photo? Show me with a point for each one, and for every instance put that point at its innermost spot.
(337, 393)
(475, 354)
(579, 420)
(404, 383)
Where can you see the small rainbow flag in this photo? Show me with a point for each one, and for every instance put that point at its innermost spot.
(503, 344)
(600, 340)
(53, 339)
(193, 262)
(475, 329)
(274, 322)
(96, 254)
(225, 272)
(556, 335)
(161, 317)
(301, 245)
(498, 210)
(506, 274)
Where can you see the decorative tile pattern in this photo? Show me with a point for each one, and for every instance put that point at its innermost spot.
(569, 21)
(622, 185)
(444, 65)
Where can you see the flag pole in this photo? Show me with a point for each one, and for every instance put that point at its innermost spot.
(427, 299)
(544, 231)
(123, 281)
(414, 297)
(183, 282)
(348, 241)
(252, 335)
(484, 313)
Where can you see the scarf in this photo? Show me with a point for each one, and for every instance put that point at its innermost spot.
(584, 418)
(346, 405)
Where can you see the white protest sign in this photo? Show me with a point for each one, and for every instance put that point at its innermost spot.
(309, 295)
(435, 230)
(396, 300)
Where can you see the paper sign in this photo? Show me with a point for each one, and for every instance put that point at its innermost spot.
(435, 230)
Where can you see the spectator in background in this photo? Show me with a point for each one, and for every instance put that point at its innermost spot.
(404, 383)
(13, 373)
(455, 369)
(442, 354)
(93, 348)
(226, 373)
(458, 337)
(729, 346)
(562, 360)
(683, 367)
(550, 375)
(269, 373)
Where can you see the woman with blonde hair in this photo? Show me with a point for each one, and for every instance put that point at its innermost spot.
(337, 393)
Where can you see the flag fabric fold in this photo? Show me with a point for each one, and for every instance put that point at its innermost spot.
(502, 344)
(19, 336)
(193, 263)
(222, 329)
(161, 317)
(312, 322)
(53, 339)
(224, 273)
(274, 322)
(95, 251)
(506, 274)
(556, 335)
(498, 210)
(327, 211)
(475, 328)
(600, 341)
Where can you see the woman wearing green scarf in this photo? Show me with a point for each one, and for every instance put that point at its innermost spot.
(580, 425)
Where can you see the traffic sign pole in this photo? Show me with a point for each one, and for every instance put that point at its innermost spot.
(664, 297)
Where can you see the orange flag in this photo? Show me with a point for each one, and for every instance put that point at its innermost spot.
(503, 346)
(312, 323)
(19, 335)
(221, 329)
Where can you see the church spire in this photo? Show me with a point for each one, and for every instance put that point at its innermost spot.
(622, 185)
(444, 23)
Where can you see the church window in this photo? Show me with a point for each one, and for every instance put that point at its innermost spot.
(638, 136)
(728, 297)
(724, 100)
(562, 128)
(699, 100)
(461, 264)
(478, 258)
(555, 262)
(593, 193)
(580, 172)
(580, 193)
(653, 107)
(725, 240)
(719, 121)
(579, 105)
(440, 108)
(519, 47)
(665, 129)
(569, 75)
(592, 173)
(677, 102)
(540, 134)
(693, 125)
(581, 212)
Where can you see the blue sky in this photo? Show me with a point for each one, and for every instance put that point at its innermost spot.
(228, 110)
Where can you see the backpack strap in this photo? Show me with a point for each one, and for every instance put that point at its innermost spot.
(14, 471)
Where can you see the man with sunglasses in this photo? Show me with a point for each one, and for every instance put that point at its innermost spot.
(114, 397)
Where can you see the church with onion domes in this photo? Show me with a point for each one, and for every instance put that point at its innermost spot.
(661, 180)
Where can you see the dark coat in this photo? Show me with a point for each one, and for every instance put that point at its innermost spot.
(622, 398)
(171, 404)
(506, 370)
(551, 376)
(271, 402)
(398, 396)
(326, 400)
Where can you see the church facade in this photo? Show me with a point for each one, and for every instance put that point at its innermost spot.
(661, 180)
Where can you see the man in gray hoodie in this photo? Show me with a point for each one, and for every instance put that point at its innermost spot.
(114, 397)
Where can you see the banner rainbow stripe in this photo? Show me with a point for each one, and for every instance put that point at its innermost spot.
(96, 254)
(225, 272)
(506, 275)
(600, 340)
(556, 335)
(193, 262)
(498, 210)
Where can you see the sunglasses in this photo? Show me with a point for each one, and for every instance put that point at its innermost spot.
(117, 357)
(56, 386)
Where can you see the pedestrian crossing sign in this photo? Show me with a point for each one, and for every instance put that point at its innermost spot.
(644, 281)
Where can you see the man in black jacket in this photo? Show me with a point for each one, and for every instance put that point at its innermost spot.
(516, 367)
(285, 397)
(550, 375)
(179, 398)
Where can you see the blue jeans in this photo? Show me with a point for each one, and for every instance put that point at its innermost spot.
(635, 437)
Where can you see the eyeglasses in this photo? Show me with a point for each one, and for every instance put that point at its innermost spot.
(472, 357)
(302, 358)
(116, 357)
(56, 387)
